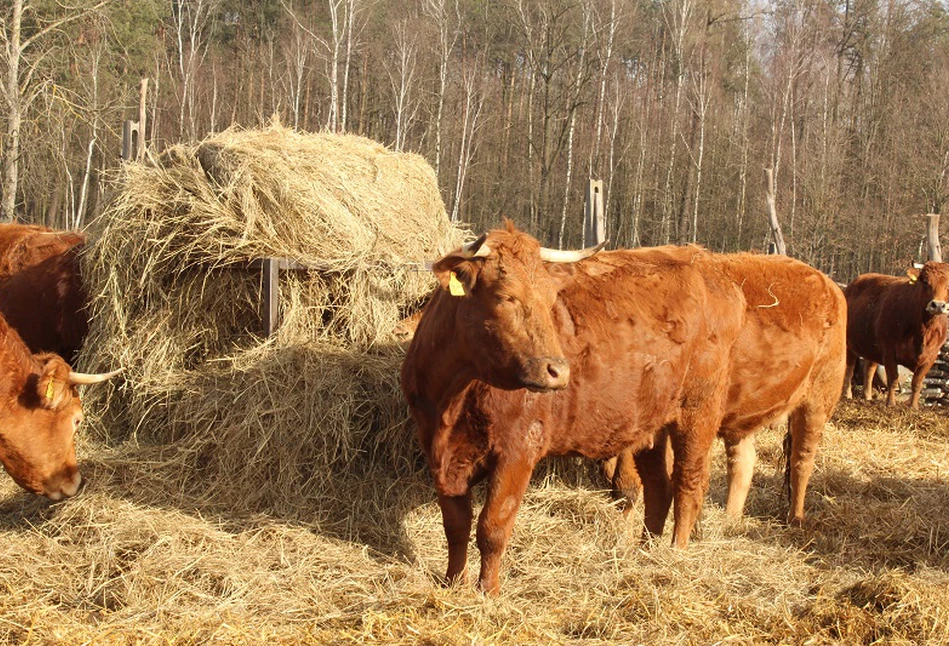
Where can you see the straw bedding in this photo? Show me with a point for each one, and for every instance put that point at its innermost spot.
(243, 490)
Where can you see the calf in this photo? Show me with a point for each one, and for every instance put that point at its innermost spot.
(894, 321)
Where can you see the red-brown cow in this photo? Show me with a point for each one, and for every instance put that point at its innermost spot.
(41, 291)
(894, 321)
(514, 360)
(39, 414)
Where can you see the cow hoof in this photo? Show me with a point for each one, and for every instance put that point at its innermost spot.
(796, 522)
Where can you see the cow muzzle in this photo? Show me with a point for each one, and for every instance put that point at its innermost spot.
(937, 307)
(64, 486)
(544, 374)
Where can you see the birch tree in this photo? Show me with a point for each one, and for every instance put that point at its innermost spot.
(22, 60)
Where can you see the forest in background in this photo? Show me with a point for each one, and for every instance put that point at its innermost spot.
(678, 106)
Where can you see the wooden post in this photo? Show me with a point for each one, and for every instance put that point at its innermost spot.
(131, 139)
(594, 230)
(933, 249)
(270, 293)
(140, 150)
(773, 215)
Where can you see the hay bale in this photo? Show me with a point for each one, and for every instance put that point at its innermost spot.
(174, 302)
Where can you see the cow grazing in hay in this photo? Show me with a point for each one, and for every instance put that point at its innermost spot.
(894, 321)
(39, 414)
(41, 291)
(514, 360)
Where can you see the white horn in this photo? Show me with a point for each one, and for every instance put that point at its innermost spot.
(558, 255)
(477, 249)
(83, 379)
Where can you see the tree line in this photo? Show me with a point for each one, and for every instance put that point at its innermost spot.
(678, 106)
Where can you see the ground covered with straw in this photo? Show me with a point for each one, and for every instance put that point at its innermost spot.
(244, 488)
(135, 558)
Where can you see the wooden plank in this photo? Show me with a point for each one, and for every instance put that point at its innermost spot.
(270, 294)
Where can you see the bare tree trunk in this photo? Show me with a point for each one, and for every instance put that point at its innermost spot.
(14, 101)
(333, 119)
(447, 38)
(347, 61)
(471, 118)
(575, 101)
(773, 214)
(933, 248)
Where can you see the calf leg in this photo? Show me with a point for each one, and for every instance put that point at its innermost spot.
(806, 425)
(848, 376)
(655, 466)
(869, 369)
(505, 491)
(456, 519)
(741, 466)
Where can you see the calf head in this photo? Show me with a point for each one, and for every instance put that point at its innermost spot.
(933, 281)
(38, 427)
(503, 298)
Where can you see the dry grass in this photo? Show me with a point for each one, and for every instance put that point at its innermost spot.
(248, 490)
(132, 560)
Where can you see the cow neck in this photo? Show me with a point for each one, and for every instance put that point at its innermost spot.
(446, 372)
(16, 362)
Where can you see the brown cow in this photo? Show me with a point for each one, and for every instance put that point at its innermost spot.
(897, 320)
(41, 292)
(611, 353)
(39, 414)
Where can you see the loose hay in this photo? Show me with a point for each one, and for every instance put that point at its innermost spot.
(263, 423)
(251, 491)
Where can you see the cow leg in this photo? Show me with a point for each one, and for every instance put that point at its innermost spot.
(505, 491)
(741, 466)
(690, 474)
(918, 375)
(625, 480)
(869, 369)
(892, 379)
(848, 376)
(806, 424)
(654, 466)
(456, 519)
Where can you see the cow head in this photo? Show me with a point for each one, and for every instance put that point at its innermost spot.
(503, 297)
(933, 279)
(38, 425)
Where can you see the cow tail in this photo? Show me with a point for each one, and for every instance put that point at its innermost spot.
(787, 444)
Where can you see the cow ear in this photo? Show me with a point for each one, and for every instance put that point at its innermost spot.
(457, 274)
(913, 274)
(52, 387)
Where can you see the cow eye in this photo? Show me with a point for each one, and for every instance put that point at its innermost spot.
(76, 422)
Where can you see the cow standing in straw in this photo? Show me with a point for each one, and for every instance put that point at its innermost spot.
(894, 321)
(514, 360)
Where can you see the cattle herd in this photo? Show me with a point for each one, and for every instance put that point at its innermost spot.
(643, 356)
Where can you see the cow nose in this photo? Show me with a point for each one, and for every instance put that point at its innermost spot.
(558, 373)
(64, 486)
(937, 307)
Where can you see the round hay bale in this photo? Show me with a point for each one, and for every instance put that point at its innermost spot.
(175, 301)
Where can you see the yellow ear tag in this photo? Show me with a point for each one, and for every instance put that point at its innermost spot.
(912, 279)
(454, 286)
(49, 389)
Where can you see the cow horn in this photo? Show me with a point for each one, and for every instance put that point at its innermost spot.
(476, 249)
(84, 379)
(558, 255)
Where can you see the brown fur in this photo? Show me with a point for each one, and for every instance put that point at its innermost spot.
(658, 344)
(39, 413)
(41, 292)
(888, 324)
